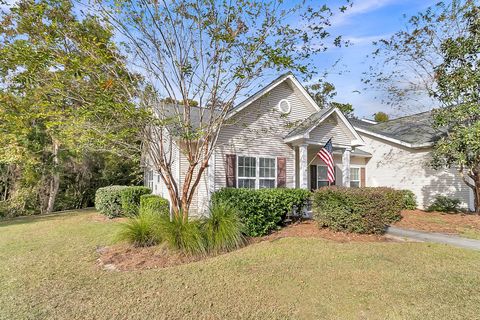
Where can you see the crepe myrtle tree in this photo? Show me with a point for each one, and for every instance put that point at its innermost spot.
(458, 88)
(196, 58)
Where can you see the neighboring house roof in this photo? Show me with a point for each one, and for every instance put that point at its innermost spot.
(355, 152)
(414, 131)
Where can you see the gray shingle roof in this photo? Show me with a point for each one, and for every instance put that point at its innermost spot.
(415, 129)
(308, 123)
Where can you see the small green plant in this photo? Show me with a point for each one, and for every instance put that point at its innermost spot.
(409, 200)
(445, 204)
(223, 228)
(140, 230)
(131, 199)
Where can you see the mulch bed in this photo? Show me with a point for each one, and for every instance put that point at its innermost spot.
(438, 221)
(125, 257)
(309, 229)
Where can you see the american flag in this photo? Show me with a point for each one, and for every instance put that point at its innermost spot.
(326, 154)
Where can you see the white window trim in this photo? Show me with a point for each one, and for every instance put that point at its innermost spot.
(150, 179)
(359, 167)
(257, 170)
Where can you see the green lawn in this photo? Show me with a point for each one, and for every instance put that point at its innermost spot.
(47, 270)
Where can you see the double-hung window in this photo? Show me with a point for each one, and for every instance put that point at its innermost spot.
(322, 176)
(354, 177)
(247, 172)
(267, 173)
(256, 172)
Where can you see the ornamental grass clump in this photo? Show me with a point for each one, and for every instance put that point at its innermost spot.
(141, 231)
(185, 236)
(220, 231)
(223, 228)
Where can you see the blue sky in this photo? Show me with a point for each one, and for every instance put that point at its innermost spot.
(364, 22)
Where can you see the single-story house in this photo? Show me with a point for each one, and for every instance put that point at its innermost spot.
(271, 140)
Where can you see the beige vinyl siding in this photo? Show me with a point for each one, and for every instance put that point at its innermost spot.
(259, 130)
(200, 198)
(159, 186)
(332, 127)
(399, 167)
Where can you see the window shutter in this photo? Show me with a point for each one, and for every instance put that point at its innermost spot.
(281, 172)
(231, 169)
(362, 177)
(313, 177)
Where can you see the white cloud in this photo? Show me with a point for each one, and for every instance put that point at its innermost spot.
(358, 8)
(361, 40)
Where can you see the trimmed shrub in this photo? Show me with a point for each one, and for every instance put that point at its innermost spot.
(154, 204)
(131, 199)
(140, 230)
(264, 210)
(108, 201)
(360, 210)
(223, 228)
(445, 204)
(409, 200)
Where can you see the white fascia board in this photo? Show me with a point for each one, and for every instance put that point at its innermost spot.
(396, 141)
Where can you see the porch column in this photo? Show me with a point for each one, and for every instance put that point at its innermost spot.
(303, 166)
(346, 167)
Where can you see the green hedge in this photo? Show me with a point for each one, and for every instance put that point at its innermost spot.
(131, 199)
(108, 201)
(150, 203)
(360, 210)
(116, 201)
(264, 210)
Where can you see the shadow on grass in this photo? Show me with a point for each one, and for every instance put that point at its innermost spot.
(46, 217)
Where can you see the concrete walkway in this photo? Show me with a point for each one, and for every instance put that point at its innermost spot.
(434, 237)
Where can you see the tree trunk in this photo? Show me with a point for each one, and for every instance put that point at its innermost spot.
(54, 182)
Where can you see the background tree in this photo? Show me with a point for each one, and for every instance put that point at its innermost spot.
(381, 117)
(323, 93)
(458, 88)
(403, 66)
(209, 52)
(434, 63)
(55, 75)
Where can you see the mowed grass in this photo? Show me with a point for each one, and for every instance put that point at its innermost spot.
(48, 271)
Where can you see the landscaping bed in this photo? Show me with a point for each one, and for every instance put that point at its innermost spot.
(466, 225)
(124, 257)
